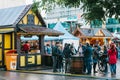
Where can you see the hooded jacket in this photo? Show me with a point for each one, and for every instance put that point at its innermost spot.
(112, 55)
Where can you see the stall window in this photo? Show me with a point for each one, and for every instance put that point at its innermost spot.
(30, 19)
(8, 41)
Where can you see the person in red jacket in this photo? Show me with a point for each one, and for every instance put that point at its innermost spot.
(26, 47)
(112, 55)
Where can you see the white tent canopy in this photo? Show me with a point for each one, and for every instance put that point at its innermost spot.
(66, 35)
(66, 38)
(116, 35)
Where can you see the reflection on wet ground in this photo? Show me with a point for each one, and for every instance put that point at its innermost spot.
(27, 76)
(99, 75)
(49, 75)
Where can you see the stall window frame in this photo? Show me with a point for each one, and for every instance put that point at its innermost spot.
(11, 43)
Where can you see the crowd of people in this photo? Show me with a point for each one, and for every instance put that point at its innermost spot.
(58, 54)
(91, 53)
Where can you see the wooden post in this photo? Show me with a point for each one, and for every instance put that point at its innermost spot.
(2, 45)
(18, 44)
(41, 44)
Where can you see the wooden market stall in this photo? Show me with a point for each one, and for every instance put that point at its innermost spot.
(93, 35)
(22, 21)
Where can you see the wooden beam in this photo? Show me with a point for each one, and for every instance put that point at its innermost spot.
(41, 44)
(18, 44)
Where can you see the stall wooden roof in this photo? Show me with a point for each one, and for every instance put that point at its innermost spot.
(92, 32)
(11, 16)
(38, 31)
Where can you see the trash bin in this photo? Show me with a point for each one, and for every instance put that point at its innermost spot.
(11, 60)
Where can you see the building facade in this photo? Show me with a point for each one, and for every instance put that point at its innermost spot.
(69, 17)
(72, 16)
(112, 24)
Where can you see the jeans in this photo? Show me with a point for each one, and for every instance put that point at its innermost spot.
(94, 66)
(67, 64)
(106, 68)
(88, 67)
(113, 68)
(60, 64)
(54, 63)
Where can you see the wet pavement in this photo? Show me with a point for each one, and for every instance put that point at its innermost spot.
(6, 75)
(97, 76)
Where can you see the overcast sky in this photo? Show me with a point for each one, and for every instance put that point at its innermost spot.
(29, 1)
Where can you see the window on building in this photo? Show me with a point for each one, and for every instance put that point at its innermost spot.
(112, 21)
(109, 21)
(118, 20)
(110, 29)
(30, 19)
(96, 24)
(118, 29)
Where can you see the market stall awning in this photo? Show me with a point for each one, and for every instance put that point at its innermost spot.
(38, 31)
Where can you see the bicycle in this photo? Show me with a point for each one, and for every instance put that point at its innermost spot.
(102, 62)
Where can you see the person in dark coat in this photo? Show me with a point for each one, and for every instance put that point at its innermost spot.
(88, 58)
(60, 58)
(67, 51)
(95, 57)
(105, 52)
(56, 53)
